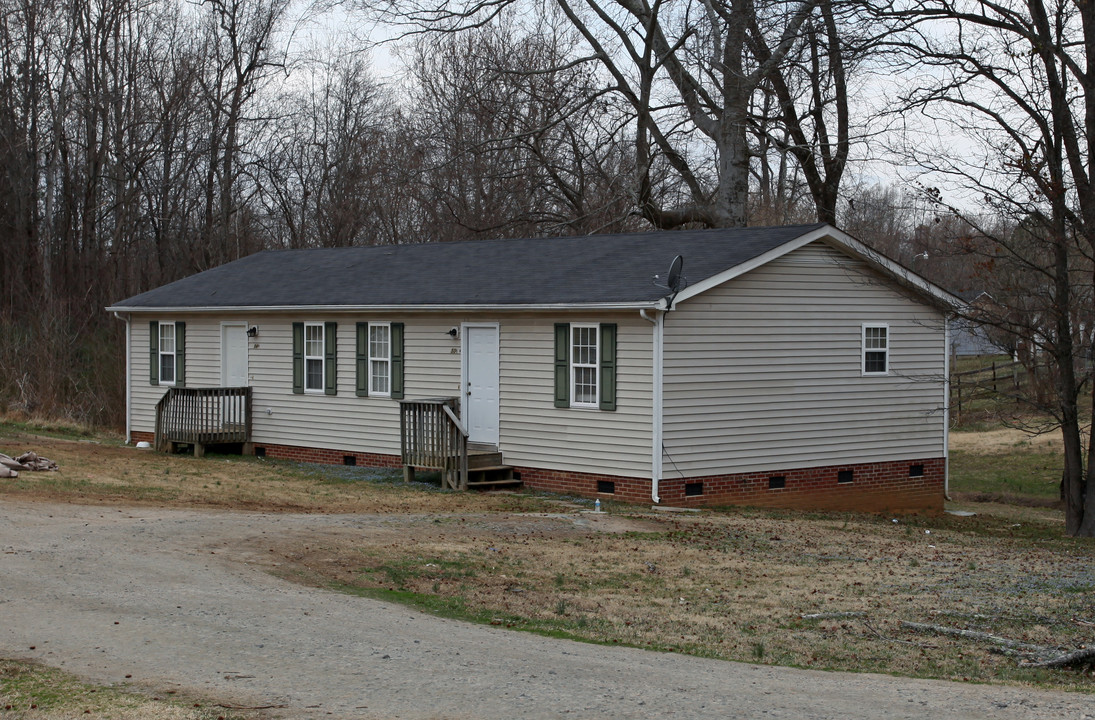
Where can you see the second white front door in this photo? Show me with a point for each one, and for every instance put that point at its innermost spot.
(233, 372)
(481, 383)
(233, 355)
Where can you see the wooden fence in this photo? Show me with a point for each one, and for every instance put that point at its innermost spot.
(995, 381)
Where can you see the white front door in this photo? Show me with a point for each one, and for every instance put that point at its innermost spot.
(233, 355)
(481, 383)
(233, 372)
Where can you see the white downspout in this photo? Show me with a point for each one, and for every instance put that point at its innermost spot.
(656, 410)
(128, 377)
(946, 407)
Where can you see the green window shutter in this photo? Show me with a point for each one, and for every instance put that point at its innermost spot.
(180, 354)
(397, 360)
(608, 366)
(298, 357)
(154, 353)
(362, 359)
(330, 358)
(562, 365)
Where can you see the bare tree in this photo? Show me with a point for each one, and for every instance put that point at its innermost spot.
(1013, 80)
(688, 74)
(239, 40)
(322, 175)
(508, 141)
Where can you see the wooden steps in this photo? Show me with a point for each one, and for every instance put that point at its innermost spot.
(486, 471)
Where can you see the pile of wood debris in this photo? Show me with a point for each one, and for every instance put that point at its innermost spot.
(11, 467)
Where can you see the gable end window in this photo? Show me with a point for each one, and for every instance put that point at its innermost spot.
(167, 353)
(314, 357)
(585, 365)
(876, 349)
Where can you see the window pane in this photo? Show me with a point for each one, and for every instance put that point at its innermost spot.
(875, 338)
(874, 362)
(313, 345)
(167, 337)
(378, 341)
(380, 376)
(313, 375)
(585, 385)
(584, 346)
(167, 368)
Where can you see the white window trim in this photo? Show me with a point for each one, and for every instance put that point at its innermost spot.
(160, 354)
(863, 349)
(596, 404)
(387, 360)
(322, 357)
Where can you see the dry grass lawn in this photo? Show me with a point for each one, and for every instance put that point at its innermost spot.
(731, 584)
(1003, 440)
(29, 691)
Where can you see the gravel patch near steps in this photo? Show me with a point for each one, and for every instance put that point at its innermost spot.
(171, 598)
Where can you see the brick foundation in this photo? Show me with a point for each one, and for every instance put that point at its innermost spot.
(874, 487)
(327, 456)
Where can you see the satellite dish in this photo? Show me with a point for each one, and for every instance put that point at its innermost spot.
(674, 278)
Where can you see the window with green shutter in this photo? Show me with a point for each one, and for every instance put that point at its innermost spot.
(361, 365)
(608, 366)
(298, 357)
(167, 353)
(315, 358)
(330, 358)
(585, 365)
(379, 361)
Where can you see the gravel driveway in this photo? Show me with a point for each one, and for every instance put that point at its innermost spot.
(170, 597)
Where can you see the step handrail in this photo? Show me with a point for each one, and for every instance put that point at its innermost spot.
(432, 436)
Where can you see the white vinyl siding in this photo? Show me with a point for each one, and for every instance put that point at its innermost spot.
(533, 432)
(203, 363)
(766, 371)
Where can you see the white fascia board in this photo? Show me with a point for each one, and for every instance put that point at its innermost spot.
(842, 241)
(648, 305)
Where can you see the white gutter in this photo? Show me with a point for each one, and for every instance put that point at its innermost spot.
(656, 410)
(639, 305)
(946, 407)
(128, 377)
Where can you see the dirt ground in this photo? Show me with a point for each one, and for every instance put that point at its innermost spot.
(731, 585)
(169, 598)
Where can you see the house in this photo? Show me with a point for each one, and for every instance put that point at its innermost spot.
(792, 366)
(968, 336)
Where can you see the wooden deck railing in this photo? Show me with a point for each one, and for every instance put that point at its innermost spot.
(203, 416)
(431, 436)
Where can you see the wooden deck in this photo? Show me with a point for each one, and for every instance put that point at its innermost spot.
(200, 417)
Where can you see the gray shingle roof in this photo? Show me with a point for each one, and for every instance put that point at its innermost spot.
(597, 269)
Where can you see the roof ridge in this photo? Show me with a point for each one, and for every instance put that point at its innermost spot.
(538, 238)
